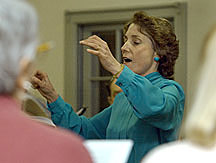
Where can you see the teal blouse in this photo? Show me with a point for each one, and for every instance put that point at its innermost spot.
(149, 111)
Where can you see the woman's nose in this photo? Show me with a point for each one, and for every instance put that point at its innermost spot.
(124, 48)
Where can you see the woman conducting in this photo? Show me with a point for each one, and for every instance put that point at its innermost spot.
(149, 111)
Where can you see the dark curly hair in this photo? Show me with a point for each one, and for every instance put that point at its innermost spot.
(163, 38)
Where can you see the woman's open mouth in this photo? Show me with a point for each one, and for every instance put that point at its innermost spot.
(125, 59)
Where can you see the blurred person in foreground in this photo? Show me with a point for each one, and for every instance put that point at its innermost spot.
(199, 143)
(149, 110)
(22, 139)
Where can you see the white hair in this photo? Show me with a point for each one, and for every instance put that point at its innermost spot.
(18, 39)
(200, 125)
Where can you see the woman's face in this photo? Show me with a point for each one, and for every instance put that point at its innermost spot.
(137, 52)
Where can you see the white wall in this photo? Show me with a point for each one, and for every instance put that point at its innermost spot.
(201, 17)
(51, 12)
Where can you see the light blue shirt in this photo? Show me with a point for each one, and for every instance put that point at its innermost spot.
(149, 111)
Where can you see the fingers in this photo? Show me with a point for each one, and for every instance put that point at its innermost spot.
(94, 39)
(98, 46)
(40, 75)
(36, 83)
(91, 45)
(97, 53)
(38, 79)
(94, 42)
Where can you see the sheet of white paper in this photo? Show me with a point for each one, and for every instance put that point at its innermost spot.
(109, 151)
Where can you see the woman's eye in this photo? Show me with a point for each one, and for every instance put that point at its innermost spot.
(136, 42)
(125, 39)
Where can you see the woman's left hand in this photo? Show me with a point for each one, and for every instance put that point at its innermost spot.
(101, 49)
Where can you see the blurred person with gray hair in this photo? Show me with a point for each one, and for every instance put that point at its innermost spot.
(22, 139)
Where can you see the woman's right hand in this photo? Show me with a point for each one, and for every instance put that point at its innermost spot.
(41, 82)
(99, 47)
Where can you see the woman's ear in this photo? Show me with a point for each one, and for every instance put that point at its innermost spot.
(156, 57)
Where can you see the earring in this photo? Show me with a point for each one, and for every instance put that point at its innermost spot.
(156, 59)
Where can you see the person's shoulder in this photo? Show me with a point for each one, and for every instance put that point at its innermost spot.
(56, 132)
(66, 144)
(47, 133)
(170, 82)
(46, 143)
(173, 84)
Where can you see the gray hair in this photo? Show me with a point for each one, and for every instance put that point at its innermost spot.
(18, 40)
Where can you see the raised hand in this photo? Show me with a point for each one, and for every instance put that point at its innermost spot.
(101, 49)
(41, 82)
